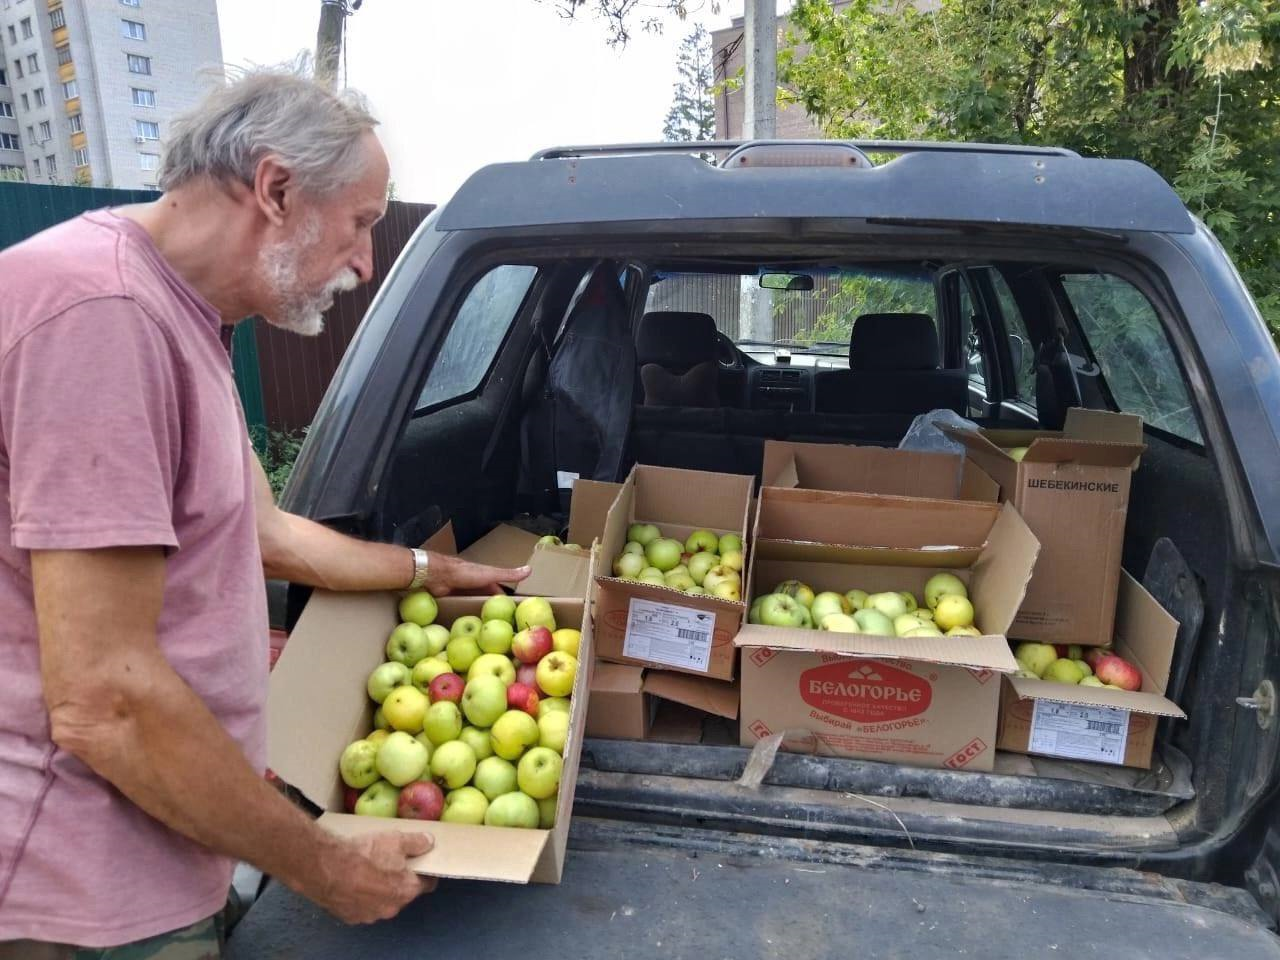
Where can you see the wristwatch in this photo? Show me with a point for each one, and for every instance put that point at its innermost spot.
(421, 560)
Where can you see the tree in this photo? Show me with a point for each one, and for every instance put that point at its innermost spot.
(619, 15)
(693, 112)
(1186, 86)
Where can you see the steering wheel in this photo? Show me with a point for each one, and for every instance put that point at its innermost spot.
(727, 354)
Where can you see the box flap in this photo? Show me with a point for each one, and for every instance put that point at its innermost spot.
(977, 485)
(1103, 426)
(703, 693)
(998, 580)
(979, 653)
(942, 556)
(651, 591)
(1132, 700)
(861, 519)
(442, 541)
(503, 546)
(1058, 449)
(463, 851)
(617, 678)
(691, 498)
(842, 467)
(556, 572)
(588, 509)
(1145, 633)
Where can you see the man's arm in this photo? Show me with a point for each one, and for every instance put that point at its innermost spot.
(303, 551)
(116, 704)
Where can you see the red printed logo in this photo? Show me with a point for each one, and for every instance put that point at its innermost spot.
(761, 656)
(865, 691)
(616, 620)
(973, 748)
(759, 729)
(721, 638)
(982, 676)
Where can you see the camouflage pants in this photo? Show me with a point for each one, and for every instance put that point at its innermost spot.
(200, 941)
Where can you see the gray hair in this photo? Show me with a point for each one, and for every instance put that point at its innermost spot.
(270, 110)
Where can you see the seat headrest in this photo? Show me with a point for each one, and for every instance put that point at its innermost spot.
(676, 339)
(893, 341)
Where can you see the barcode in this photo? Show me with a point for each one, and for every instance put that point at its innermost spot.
(699, 635)
(1103, 727)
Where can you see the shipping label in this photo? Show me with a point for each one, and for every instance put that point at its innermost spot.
(668, 634)
(1078, 732)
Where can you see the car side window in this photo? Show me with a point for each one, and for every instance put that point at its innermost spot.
(477, 332)
(1138, 365)
(1021, 349)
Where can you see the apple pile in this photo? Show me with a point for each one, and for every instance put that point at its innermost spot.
(946, 611)
(551, 540)
(1070, 663)
(471, 720)
(706, 564)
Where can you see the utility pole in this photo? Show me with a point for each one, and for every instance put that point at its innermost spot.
(759, 122)
(333, 13)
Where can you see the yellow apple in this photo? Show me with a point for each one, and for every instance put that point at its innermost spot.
(566, 640)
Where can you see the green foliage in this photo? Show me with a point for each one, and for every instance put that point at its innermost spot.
(693, 111)
(277, 450)
(1186, 86)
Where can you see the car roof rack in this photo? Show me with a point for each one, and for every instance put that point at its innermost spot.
(719, 147)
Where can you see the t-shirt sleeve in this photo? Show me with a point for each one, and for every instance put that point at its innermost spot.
(90, 422)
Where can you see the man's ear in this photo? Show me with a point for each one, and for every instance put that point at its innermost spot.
(273, 189)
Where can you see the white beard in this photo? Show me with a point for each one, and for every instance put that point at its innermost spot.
(300, 310)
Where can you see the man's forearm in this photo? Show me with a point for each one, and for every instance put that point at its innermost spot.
(303, 551)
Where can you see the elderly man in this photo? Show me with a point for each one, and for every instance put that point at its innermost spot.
(133, 655)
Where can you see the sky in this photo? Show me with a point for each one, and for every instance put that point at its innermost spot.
(459, 84)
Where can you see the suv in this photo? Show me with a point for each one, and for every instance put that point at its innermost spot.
(679, 304)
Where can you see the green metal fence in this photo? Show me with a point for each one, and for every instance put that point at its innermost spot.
(28, 208)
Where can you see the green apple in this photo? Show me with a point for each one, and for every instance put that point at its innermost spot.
(643, 533)
(1026, 674)
(953, 611)
(552, 705)
(401, 759)
(1063, 670)
(1091, 681)
(379, 799)
(550, 540)
(495, 636)
(484, 699)
(890, 604)
(924, 630)
(734, 560)
(464, 805)
(443, 722)
(970, 632)
(418, 607)
(1016, 453)
(468, 626)
(696, 591)
(513, 733)
(794, 588)
(567, 640)
(358, 765)
(729, 542)
(1036, 657)
(535, 612)
(941, 585)
(380, 721)
(453, 764)
(437, 637)
(405, 708)
(495, 776)
(408, 644)
(477, 740)
(905, 622)
(538, 772)
(923, 613)
(828, 602)
(462, 653)
(718, 575)
(806, 618)
(547, 813)
(513, 809)
(378, 737)
(909, 599)
(679, 581)
(555, 674)
(499, 607)
(424, 671)
(874, 622)
(701, 540)
(553, 730)
(632, 547)
(628, 566)
(493, 665)
(1084, 667)
(385, 678)
(700, 563)
(663, 553)
(839, 623)
(652, 575)
(727, 590)
(1075, 651)
(857, 599)
(753, 615)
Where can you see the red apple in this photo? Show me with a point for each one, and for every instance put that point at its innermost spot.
(532, 645)
(447, 686)
(1093, 655)
(1117, 670)
(527, 673)
(523, 696)
(349, 797)
(420, 800)
(1062, 650)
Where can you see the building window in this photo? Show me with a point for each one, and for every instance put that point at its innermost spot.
(31, 135)
(26, 103)
(13, 34)
(6, 109)
(133, 30)
(146, 129)
(139, 64)
(64, 54)
(25, 24)
(46, 132)
(51, 165)
(39, 95)
(143, 98)
(35, 165)
(10, 141)
(149, 161)
(17, 69)
(82, 157)
(130, 3)
(57, 19)
(33, 62)
(70, 90)
(76, 123)
(4, 79)
(10, 172)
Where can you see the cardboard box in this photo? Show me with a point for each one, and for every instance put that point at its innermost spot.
(922, 701)
(1072, 488)
(619, 708)
(556, 571)
(648, 625)
(317, 704)
(1096, 723)
(631, 703)
(902, 473)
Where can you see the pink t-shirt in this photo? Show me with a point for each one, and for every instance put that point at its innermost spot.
(119, 426)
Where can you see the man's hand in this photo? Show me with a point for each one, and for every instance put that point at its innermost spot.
(370, 880)
(447, 574)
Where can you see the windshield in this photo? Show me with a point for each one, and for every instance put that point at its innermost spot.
(809, 326)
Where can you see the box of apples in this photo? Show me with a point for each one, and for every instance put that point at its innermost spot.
(462, 717)
(1094, 703)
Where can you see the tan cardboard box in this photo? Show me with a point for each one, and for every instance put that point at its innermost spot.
(1072, 488)
(619, 708)
(648, 625)
(317, 704)
(1096, 723)
(920, 700)
(901, 473)
(631, 703)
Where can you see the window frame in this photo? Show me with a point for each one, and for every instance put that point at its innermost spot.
(33, 62)
(142, 60)
(25, 25)
(76, 154)
(75, 122)
(38, 94)
(70, 90)
(138, 131)
(57, 18)
(11, 141)
(63, 52)
(127, 30)
(142, 165)
(133, 96)
(46, 131)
